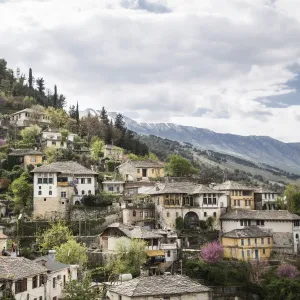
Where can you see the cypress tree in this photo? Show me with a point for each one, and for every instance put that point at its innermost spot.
(77, 113)
(30, 79)
(104, 116)
(55, 97)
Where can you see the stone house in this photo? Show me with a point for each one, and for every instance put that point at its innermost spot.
(135, 170)
(248, 243)
(192, 202)
(58, 185)
(113, 153)
(265, 199)
(28, 116)
(284, 226)
(3, 239)
(24, 278)
(53, 138)
(167, 287)
(25, 157)
(142, 214)
(239, 195)
(113, 186)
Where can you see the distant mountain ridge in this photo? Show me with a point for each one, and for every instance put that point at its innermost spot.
(259, 149)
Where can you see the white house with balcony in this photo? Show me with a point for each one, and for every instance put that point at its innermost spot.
(28, 116)
(53, 138)
(284, 225)
(265, 199)
(58, 185)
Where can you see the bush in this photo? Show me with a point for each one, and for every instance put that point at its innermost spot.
(179, 223)
(286, 270)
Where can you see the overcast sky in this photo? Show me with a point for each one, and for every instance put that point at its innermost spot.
(226, 65)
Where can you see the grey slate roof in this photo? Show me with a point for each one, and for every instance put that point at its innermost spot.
(146, 163)
(240, 214)
(158, 286)
(50, 264)
(64, 167)
(262, 190)
(232, 185)
(248, 232)
(136, 232)
(181, 188)
(22, 152)
(15, 268)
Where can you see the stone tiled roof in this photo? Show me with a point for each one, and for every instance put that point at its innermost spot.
(22, 152)
(240, 214)
(15, 268)
(50, 264)
(158, 286)
(64, 167)
(146, 163)
(248, 232)
(264, 190)
(181, 188)
(136, 232)
(29, 110)
(232, 185)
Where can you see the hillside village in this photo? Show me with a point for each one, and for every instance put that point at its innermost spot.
(88, 212)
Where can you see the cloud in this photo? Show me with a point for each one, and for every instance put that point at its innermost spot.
(213, 63)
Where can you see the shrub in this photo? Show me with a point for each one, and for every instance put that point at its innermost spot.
(179, 223)
(286, 270)
(212, 252)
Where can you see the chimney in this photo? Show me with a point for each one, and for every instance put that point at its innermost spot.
(51, 254)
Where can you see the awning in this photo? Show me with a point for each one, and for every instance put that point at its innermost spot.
(151, 253)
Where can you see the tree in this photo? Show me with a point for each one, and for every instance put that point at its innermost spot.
(30, 134)
(212, 252)
(292, 198)
(90, 126)
(179, 223)
(29, 102)
(77, 113)
(35, 114)
(30, 79)
(40, 82)
(179, 166)
(112, 134)
(22, 194)
(104, 116)
(80, 290)
(129, 257)
(96, 148)
(58, 117)
(286, 270)
(64, 135)
(55, 236)
(61, 101)
(55, 97)
(71, 253)
(284, 288)
(72, 112)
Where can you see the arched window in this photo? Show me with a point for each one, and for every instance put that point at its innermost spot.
(205, 214)
(215, 214)
(169, 253)
(297, 236)
(82, 192)
(134, 213)
(89, 192)
(40, 193)
(50, 193)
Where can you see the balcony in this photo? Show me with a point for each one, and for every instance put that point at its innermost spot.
(168, 246)
(63, 184)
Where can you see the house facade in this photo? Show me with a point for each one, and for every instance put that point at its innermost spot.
(248, 243)
(60, 184)
(113, 186)
(136, 170)
(28, 116)
(165, 287)
(191, 202)
(113, 152)
(265, 199)
(23, 278)
(240, 196)
(284, 226)
(3, 239)
(25, 157)
(53, 138)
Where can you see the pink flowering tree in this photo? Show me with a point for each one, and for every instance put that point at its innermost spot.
(286, 270)
(2, 142)
(212, 252)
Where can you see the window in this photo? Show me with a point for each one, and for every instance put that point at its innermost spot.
(21, 286)
(260, 222)
(141, 213)
(249, 242)
(246, 202)
(152, 171)
(45, 180)
(63, 194)
(82, 180)
(45, 199)
(241, 223)
(234, 202)
(151, 213)
(205, 214)
(239, 202)
(34, 282)
(50, 180)
(243, 254)
(205, 199)
(157, 200)
(168, 214)
(40, 193)
(242, 242)
(269, 241)
(248, 253)
(176, 214)
(120, 298)
(262, 241)
(255, 241)
(214, 200)
(169, 253)
(40, 180)
(89, 192)
(146, 213)
(50, 193)
(167, 202)
(110, 188)
(89, 180)
(264, 251)
(41, 298)
(296, 223)
(54, 298)
(33, 159)
(215, 214)
(64, 282)
(54, 143)
(54, 283)
(177, 202)
(40, 187)
(82, 192)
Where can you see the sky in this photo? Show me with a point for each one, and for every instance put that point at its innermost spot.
(231, 66)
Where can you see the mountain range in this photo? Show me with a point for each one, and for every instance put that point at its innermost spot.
(258, 149)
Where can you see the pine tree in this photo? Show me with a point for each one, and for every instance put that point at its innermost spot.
(104, 116)
(119, 123)
(72, 112)
(61, 101)
(55, 97)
